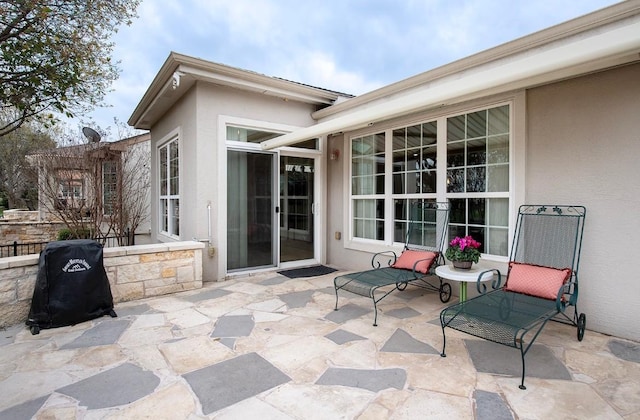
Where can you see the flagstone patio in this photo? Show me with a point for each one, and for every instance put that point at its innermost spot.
(271, 347)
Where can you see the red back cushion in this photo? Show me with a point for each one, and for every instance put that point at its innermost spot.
(536, 280)
(408, 259)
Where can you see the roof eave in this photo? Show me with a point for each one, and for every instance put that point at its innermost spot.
(180, 72)
(576, 48)
(523, 44)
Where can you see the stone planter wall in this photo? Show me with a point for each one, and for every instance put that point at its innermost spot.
(134, 272)
(17, 215)
(27, 232)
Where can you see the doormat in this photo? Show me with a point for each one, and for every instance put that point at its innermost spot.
(316, 270)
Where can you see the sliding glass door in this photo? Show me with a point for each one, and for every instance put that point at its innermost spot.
(251, 210)
(297, 177)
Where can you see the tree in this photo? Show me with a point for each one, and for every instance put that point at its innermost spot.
(130, 205)
(97, 189)
(16, 181)
(134, 186)
(55, 56)
(67, 183)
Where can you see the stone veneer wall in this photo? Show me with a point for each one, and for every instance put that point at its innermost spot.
(27, 232)
(16, 215)
(134, 272)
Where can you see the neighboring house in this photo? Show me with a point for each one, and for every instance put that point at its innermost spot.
(94, 181)
(547, 118)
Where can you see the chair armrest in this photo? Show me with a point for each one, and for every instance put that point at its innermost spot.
(496, 283)
(570, 288)
(375, 260)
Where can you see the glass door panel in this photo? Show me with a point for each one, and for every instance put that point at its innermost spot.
(296, 208)
(250, 210)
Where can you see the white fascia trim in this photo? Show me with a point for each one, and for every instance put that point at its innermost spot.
(261, 84)
(512, 72)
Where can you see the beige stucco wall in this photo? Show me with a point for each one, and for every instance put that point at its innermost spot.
(337, 254)
(197, 115)
(583, 145)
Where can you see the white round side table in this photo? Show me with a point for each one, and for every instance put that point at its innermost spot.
(463, 276)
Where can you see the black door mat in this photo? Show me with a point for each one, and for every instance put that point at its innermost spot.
(316, 270)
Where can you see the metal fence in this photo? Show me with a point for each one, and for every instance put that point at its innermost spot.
(15, 249)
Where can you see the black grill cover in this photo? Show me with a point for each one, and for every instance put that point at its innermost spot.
(71, 287)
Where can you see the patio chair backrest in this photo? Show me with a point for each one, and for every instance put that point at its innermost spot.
(427, 227)
(549, 235)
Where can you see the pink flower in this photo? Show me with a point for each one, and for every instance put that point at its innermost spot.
(465, 242)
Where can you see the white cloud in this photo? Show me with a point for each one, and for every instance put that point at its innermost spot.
(350, 46)
(319, 69)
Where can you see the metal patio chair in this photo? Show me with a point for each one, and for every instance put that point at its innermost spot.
(422, 253)
(541, 284)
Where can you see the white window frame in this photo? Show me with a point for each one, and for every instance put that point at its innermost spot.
(223, 145)
(72, 188)
(173, 138)
(517, 135)
(369, 219)
(484, 195)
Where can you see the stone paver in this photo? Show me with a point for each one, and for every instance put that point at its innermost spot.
(402, 342)
(403, 313)
(121, 385)
(346, 313)
(226, 383)
(270, 347)
(234, 326)
(372, 379)
(491, 406)
(625, 350)
(102, 334)
(341, 337)
(494, 358)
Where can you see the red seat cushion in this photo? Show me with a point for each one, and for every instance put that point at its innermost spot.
(409, 257)
(536, 280)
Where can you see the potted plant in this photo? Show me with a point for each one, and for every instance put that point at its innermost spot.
(463, 252)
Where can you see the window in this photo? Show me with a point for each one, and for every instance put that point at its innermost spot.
(475, 149)
(414, 159)
(109, 186)
(367, 186)
(71, 188)
(478, 177)
(247, 135)
(169, 188)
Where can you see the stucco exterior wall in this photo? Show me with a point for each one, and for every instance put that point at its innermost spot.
(582, 148)
(198, 115)
(337, 170)
(214, 104)
(182, 119)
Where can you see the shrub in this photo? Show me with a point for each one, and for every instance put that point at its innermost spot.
(67, 234)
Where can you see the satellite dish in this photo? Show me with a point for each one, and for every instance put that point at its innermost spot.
(91, 134)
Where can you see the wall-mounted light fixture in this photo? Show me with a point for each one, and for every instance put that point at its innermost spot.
(335, 154)
(175, 79)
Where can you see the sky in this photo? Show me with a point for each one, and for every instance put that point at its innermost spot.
(350, 46)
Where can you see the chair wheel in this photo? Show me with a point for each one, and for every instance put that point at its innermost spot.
(582, 324)
(445, 292)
